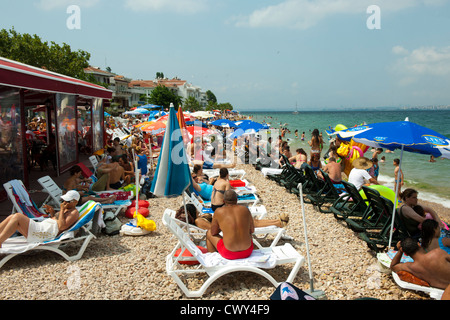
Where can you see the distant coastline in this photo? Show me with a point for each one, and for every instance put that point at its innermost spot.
(387, 109)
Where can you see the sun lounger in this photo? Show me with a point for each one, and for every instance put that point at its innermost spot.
(55, 192)
(258, 213)
(22, 201)
(434, 293)
(79, 232)
(233, 173)
(214, 266)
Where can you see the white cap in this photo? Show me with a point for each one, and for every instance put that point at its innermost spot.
(71, 195)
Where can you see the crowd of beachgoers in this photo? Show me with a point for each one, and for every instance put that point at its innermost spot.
(118, 266)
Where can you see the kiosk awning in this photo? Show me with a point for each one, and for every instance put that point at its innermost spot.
(16, 74)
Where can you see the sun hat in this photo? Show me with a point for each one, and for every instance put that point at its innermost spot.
(362, 163)
(71, 195)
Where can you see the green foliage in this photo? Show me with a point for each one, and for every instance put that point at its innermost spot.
(210, 97)
(192, 104)
(31, 50)
(162, 96)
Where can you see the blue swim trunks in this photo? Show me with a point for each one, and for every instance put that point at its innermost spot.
(208, 165)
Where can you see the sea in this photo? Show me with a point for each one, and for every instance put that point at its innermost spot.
(430, 179)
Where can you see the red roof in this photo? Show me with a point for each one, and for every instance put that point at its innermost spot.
(16, 74)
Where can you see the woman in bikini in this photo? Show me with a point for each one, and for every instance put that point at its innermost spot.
(221, 185)
(315, 143)
(299, 159)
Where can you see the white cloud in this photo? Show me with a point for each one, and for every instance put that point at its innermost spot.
(421, 62)
(178, 6)
(55, 4)
(304, 14)
(399, 50)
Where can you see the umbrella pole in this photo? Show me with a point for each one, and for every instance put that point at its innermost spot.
(314, 293)
(396, 195)
(185, 211)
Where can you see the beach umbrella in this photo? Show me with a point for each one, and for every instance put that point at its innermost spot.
(404, 135)
(155, 127)
(199, 131)
(202, 114)
(181, 121)
(142, 111)
(246, 127)
(172, 175)
(225, 123)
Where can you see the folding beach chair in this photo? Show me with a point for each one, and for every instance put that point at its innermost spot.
(79, 232)
(55, 193)
(214, 266)
(258, 213)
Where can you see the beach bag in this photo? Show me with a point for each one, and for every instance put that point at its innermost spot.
(112, 223)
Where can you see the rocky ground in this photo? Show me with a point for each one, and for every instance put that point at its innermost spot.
(133, 268)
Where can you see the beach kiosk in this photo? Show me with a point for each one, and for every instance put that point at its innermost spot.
(58, 97)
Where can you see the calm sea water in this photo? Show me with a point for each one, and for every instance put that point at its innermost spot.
(430, 179)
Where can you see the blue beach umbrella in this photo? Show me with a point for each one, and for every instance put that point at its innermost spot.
(224, 123)
(404, 135)
(142, 111)
(247, 127)
(172, 176)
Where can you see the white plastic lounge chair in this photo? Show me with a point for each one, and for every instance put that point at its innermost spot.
(260, 233)
(233, 173)
(214, 266)
(79, 232)
(434, 293)
(94, 162)
(21, 200)
(55, 192)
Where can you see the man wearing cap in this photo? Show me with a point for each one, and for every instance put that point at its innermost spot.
(359, 174)
(46, 229)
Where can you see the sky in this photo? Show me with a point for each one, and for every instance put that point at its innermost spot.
(260, 54)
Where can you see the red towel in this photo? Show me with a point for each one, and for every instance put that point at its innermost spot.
(237, 183)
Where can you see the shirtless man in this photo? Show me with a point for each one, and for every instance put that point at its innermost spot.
(432, 267)
(236, 223)
(116, 174)
(334, 170)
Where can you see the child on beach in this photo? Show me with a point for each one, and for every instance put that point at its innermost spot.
(398, 179)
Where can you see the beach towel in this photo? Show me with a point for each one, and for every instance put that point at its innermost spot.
(28, 207)
(270, 171)
(256, 259)
(237, 183)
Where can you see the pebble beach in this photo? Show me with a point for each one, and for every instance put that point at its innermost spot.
(133, 268)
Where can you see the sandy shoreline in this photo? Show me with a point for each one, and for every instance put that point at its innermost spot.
(133, 268)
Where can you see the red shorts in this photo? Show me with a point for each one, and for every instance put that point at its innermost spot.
(232, 255)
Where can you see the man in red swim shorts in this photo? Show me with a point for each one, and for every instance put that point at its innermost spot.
(236, 223)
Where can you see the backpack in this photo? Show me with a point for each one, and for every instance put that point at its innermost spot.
(112, 223)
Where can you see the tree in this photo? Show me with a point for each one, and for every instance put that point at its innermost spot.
(192, 104)
(162, 96)
(159, 75)
(32, 50)
(210, 97)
